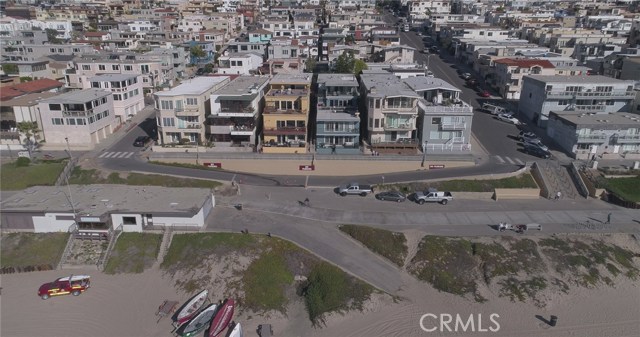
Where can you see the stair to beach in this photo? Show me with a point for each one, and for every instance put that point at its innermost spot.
(559, 180)
(164, 246)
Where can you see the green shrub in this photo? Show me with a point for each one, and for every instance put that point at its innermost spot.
(23, 162)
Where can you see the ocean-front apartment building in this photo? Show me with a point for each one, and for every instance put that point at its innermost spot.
(338, 118)
(182, 111)
(391, 109)
(127, 93)
(80, 119)
(286, 114)
(592, 94)
(235, 119)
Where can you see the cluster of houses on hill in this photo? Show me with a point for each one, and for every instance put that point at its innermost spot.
(251, 76)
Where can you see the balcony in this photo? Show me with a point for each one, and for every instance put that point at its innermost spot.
(243, 130)
(592, 138)
(627, 139)
(190, 111)
(236, 111)
(596, 108)
(453, 126)
(190, 126)
(9, 135)
(590, 94)
(285, 130)
(77, 113)
(398, 126)
(287, 92)
(400, 110)
(276, 111)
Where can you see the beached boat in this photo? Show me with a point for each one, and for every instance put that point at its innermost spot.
(236, 331)
(199, 322)
(222, 319)
(190, 308)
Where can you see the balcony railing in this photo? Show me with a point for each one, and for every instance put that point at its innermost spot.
(7, 134)
(628, 139)
(592, 138)
(581, 94)
(453, 126)
(192, 111)
(288, 92)
(190, 126)
(285, 131)
(77, 112)
(399, 126)
(272, 110)
(591, 107)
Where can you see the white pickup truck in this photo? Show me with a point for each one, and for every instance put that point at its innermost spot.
(355, 188)
(432, 196)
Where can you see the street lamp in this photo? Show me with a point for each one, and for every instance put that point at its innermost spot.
(66, 176)
(424, 152)
(428, 58)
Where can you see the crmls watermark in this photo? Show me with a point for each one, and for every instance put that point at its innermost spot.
(454, 323)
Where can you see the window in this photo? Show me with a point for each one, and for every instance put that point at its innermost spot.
(95, 84)
(117, 97)
(563, 102)
(57, 121)
(81, 121)
(285, 52)
(191, 101)
(609, 102)
(55, 107)
(377, 123)
(377, 103)
(239, 63)
(71, 121)
(129, 220)
(101, 67)
(168, 121)
(128, 67)
(166, 105)
(436, 120)
(86, 67)
(115, 67)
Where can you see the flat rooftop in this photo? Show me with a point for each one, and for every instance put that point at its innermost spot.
(291, 79)
(79, 97)
(420, 83)
(338, 80)
(386, 85)
(96, 200)
(30, 99)
(597, 79)
(195, 86)
(602, 121)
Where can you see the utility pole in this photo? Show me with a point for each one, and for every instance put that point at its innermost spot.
(66, 176)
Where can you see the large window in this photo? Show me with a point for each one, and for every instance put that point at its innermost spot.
(192, 101)
(57, 121)
(168, 121)
(86, 67)
(398, 102)
(166, 105)
(55, 107)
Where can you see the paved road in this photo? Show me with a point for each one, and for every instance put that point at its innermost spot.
(278, 211)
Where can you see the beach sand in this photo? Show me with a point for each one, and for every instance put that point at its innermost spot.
(125, 305)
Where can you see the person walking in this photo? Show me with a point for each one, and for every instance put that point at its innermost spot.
(608, 219)
(558, 195)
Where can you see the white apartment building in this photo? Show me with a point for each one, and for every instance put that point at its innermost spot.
(423, 8)
(128, 97)
(591, 94)
(236, 110)
(181, 111)
(240, 64)
(82, 118)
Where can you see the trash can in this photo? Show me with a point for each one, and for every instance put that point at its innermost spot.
(553, 320)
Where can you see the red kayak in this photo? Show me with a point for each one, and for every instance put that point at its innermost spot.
(221, 321)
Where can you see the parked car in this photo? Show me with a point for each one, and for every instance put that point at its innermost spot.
(536, 151)
(493, 109)
(141, 141)
(74, 285)
(434, 49)
(485, 93)
(525, 136)
(508, 118)
(391, 196)
(466, 76)
(536, 143)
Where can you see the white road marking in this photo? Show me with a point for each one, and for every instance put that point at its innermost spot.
(500, 159)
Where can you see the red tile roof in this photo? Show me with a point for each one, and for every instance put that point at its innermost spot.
(7, 93)
(525, 63)
(40, 85)
(95, 34)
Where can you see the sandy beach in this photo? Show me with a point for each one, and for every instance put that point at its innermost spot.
(125, 305)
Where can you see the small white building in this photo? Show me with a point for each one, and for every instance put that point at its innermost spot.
(81, 118)
(239, 63)
(98, 209)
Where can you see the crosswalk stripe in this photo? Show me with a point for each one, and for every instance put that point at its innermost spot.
(500, 159)
(509, 160)
(123, 154)
(520, 162)
(104, 154)
(115, 154)
(129, 155)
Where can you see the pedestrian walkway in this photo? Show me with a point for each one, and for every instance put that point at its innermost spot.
(508, 160)
(116, 155)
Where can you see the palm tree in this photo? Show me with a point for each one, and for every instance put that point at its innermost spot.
(31, 133)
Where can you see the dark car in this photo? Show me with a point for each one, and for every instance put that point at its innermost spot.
(484, 93)
(434, 49)
(537, 151)
(141, 141)
(391, 196)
